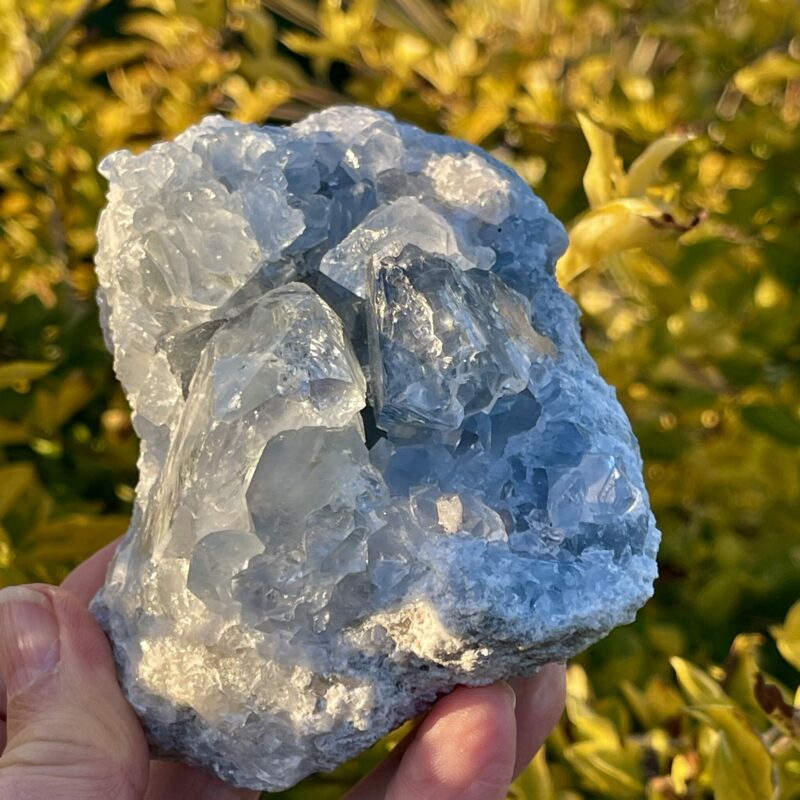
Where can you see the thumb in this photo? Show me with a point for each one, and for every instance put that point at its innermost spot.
(71, 734)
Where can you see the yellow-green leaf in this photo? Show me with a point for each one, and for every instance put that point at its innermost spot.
(613, 771)
(611, 229)
(254, 103)
(604, 179)
(787, 636)
(698, 686)
(158, 29)
(587, 723)
(741, 767)
(52, 408)
(742, 671)
(258, 30)
(72, 538)
(779, 423)
(16, 371)
(210, 12)
(773, 67)
(642, 172)
(655, 705)
(12, 432)
(535, 781)
(109, 55)
(14, 480)
(341, 26)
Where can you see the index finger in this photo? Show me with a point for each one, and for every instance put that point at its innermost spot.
(540, 702)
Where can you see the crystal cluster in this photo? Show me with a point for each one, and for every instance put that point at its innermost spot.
(376, 459)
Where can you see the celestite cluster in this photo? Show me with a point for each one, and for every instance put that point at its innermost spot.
(377, 460)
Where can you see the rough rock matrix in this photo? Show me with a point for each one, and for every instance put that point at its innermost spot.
(377, 460)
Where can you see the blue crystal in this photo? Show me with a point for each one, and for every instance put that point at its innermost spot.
(445, 343)
(376, 459)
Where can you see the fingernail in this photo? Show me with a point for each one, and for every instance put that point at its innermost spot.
(29, 637)
(512, 695)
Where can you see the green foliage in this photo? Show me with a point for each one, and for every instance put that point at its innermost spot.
(665, 133)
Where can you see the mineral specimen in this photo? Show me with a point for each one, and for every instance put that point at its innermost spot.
(376, 459)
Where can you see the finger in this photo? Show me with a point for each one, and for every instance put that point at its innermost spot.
(463, 750)
(540, 703)
(2, 716)
(70, 732)
(171, 780)
(87, 578)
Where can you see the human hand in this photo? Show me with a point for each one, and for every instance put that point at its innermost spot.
(472, 743)
(67, 732)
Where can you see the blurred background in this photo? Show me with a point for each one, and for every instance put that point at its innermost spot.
(664, 133)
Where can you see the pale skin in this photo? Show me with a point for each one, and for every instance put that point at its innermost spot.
(67, 732)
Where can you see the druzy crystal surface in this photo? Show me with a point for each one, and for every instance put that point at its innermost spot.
(376, 459)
